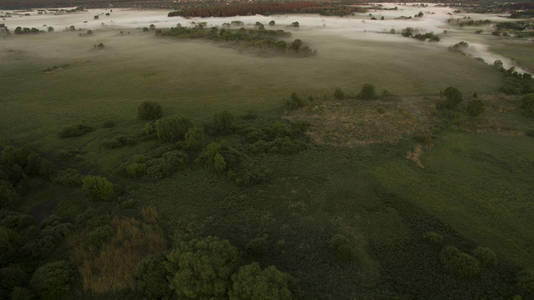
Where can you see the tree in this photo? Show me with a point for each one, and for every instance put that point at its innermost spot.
(341, 248)
(251, 282)
(486, 256)
(475, 107)
(195, 138)
(201, 269)
(172, 129)
(271, 23)
(98, 188)
(223, 123)
(367, 92)
(458, 262)
(338, 94)
(525, 281)
(149, 111)
(151, 278)
(10, 277)
(53, 281)
(8, 195)
(453, 97)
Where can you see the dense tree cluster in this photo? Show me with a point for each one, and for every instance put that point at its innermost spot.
(245, 9)
(254, 38)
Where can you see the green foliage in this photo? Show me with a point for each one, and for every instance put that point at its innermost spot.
(172, 129)
(98, 188)
(339, 94)
(53, 281)
(525, 282)
(195, 139)
(251, 282)
(201, 269)
(342, 248)
(258, 246)
(151, 278)
(120, 141)
(433, 237)
(458, 262)
(8, 195)
(367, 92)
(20, 293)
(485, 256)
(294, 102)
(109, 124)
(149, 111)
(75, 131)
(527, 105)
(11, 277)
(475, 107)
(69, 177)
(166, 165)
(136, 169)
(98, 236)
(453, 97)
(222, 124)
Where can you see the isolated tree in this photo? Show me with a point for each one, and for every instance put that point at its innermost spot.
(149, 111)
(453, 97)
(53, 281)
(367, 92)
(271, 23)
(202, 269)
(251, 282)
(339, 94)
(172, 129)
(98, 188)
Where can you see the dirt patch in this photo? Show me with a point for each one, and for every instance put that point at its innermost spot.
(415, 154)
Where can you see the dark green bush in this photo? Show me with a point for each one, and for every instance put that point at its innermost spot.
(136, 169)
(453, 97)
(195, 139)
(151, 278)
(458, 262)
(120, 141)
(98, 188)
(525, 282)
(258, 246)
(8, 195)
(202, 269)
(68, 177)
(172, 129)
(149, 111)
(367, 92)
(294, 102)
(11, 277)
(485, 256)
(53, 281)
(75, 131)
(109, 124)
(475, 107)
(166, 165)
(222, 124)
(342, 248)
(98, 236)
(339, 94)
(433, 237)
(251, 282)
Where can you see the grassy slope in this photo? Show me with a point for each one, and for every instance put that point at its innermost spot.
(479, 184)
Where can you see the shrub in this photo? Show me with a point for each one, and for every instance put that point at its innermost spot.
(201, 269)
(10, 277)
(119, 142)
(75, 131)
(172, 129)
(151, 278)
(251, 282)
(527, 105)
(525, 281)
(53, 281)
(486, 256)
(433, 237)
(68, 177)
(458, 262)
(339, 94)
(8, 195)
(195, 138)
(98, 236)
(342, 248)
(223, 123)
(367, 92)
(135, 170)
(453, 97)
(475, 107)
(166, 165)
(294, 102)
(258, 246)
(149, 111)
(98, 188)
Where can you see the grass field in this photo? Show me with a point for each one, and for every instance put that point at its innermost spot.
(474, 189)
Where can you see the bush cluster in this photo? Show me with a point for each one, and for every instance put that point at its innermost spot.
(75, 131)
(149, 111)
(98, 188)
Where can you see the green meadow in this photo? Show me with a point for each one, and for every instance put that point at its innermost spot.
(474, 188)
